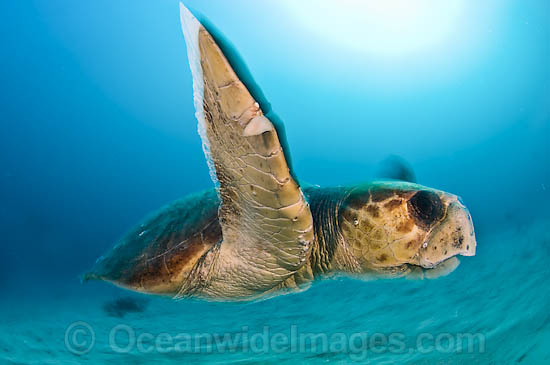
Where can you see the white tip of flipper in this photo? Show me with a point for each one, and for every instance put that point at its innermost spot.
(191, 27)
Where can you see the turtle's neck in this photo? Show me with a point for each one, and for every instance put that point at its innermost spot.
(329, 252)
(325, 205)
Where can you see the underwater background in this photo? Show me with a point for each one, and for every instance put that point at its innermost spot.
(97, 129)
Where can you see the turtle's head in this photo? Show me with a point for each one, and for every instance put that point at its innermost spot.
(400, 228)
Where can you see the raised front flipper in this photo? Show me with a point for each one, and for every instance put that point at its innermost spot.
(265, 219)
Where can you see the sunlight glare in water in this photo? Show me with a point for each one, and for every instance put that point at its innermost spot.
(387, 28)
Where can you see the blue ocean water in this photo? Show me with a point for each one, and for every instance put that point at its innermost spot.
(97, 130)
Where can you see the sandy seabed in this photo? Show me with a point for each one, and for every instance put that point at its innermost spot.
(492, 309)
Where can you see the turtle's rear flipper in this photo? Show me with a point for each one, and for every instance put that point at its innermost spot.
(266, 221)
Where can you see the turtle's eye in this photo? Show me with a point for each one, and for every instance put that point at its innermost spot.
(426, 207)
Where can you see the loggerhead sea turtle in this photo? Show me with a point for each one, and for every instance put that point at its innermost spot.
(260, 234)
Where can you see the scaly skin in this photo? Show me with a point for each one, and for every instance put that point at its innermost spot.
(374, 231)
(367, 231)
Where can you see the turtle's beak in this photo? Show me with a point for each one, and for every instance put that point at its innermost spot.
(453, 236)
